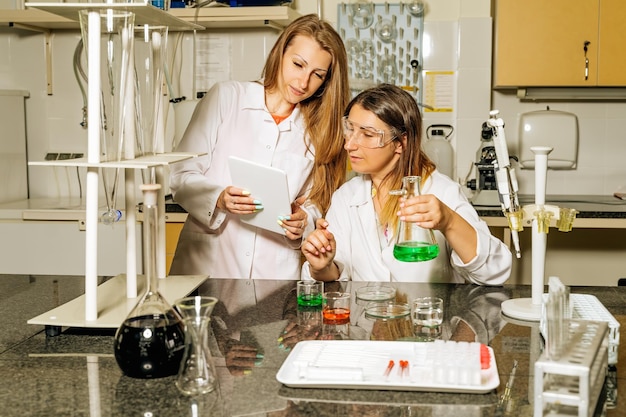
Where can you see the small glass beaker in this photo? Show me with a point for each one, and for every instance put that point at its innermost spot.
(197, 372)
(427, 318)
(413, 243)
(310, 293)
(336, 307)
(391, 321)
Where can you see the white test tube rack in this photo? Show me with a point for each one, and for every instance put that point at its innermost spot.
(572, 384)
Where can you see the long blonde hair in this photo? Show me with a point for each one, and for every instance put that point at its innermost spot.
(322, 112)
(398, 110)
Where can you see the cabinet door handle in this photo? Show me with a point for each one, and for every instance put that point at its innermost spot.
(586, 60)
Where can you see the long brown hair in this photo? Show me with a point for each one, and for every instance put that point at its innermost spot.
(398, 109)
(322, 111)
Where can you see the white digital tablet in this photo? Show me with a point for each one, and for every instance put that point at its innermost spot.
(266, 184)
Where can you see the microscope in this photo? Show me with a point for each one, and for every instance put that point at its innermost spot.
(485, 183)
(496, 182)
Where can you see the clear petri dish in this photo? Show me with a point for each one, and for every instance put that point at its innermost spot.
(390, 321)
(375, 293)
(387, 311)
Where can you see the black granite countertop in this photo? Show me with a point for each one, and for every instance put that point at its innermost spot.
(75, 373)
(588, 206)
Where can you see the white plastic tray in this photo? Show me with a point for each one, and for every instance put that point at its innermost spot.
(355, 364)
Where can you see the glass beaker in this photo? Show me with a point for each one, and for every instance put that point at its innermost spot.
(414, 243)
(151, 340)
(197, 372)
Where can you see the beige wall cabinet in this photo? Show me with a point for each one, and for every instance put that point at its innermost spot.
(172, 232)
(541, 43)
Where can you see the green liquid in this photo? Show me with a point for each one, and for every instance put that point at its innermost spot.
(415, 251)
(310, 300)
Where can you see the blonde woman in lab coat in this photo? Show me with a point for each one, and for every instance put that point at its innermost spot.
(382, 128)
(290, 120)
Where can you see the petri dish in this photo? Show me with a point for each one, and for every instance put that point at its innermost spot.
(375, 293)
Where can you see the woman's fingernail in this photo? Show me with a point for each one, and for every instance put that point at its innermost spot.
(260, 355)
(258, 363)
(247, 372)
(257, 202)
(280, 339)
(287, 218)
(245, 192)
(279, 223)
(258, 207)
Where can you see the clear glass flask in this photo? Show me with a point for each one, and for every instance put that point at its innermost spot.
(151, 340)
(197, 371)
(413, 243)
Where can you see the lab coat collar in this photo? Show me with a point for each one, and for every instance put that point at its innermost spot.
(254, 99)
(362, 195)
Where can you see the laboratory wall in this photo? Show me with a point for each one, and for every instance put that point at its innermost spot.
(457, 46)
(457, 40)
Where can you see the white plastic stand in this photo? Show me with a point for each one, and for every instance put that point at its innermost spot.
(110, 310)
(572, 384)
(525, 308)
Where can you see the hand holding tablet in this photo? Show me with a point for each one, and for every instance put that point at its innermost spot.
(266, 184)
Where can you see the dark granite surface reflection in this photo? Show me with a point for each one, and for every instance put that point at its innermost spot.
(75, 373)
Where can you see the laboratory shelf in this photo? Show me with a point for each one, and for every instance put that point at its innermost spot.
(145, 14)
(59, 16)
(141, 162)
(276, 17)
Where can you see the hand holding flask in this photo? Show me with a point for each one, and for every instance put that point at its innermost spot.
(413, 243)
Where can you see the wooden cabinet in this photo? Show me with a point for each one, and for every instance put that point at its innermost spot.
(612, 53)
(172, 232)
(542, 43)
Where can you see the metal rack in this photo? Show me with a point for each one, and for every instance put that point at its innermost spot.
(384, 44)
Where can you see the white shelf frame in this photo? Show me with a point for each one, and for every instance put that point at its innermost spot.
(110, 311)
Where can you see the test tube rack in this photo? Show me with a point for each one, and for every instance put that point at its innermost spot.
(572, 384)
(588, 307)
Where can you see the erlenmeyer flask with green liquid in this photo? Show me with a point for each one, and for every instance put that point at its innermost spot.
(413, 243)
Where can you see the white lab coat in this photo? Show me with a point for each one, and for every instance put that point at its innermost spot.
(362, 256)
(232, 120)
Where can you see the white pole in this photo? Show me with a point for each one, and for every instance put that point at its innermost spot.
(539, 240)
(129, 176)
(161, 264)
(131, 237)
(93, 157)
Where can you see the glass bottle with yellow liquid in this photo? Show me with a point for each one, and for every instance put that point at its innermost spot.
(413, 243)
